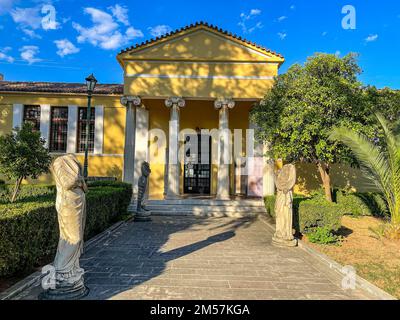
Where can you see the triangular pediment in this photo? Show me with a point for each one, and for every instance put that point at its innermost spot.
(201, 43)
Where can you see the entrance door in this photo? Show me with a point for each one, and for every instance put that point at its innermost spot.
(197, 165)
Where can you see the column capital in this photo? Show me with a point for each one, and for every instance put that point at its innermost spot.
(131, 100)
(175, 101)
(224, 102)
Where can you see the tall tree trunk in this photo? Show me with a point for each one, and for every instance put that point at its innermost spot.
(323, 169)
(16, 189)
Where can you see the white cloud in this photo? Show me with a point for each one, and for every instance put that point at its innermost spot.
(159, 30)
(105, 31)
(27, 19)
(65, 47)
(244, 19)
(338, 53)
(133, 33)
(31, 34)
(371, 38)
(280, 19)
(4, 56)
(282, 35)
(292, 7)
(324, 33)
(120, 13)
(255, 12)
(6, 6)
(29, 53)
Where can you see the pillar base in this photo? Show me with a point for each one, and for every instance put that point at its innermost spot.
(74, 292)
(142, 216)
(283, 242)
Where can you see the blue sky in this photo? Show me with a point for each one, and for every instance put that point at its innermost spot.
(85, 36)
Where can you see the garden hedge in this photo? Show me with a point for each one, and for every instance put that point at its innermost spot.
(29, 228)
(362, 204)
(315, 211)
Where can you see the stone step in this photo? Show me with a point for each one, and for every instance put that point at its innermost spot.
(208, 202)
(207, 214)
(199, 208)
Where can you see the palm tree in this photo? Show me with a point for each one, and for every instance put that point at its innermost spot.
(380, 164)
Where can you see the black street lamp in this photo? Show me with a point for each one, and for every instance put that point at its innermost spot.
(90, 84)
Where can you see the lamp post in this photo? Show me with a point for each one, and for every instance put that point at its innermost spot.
(90, 84)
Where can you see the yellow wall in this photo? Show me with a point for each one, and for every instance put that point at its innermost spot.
(110, 163)
(199, 63)
(342, 176)
(5, 118)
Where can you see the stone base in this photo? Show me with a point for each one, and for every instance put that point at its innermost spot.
(74, 292)
(142, 216)
(283, 242)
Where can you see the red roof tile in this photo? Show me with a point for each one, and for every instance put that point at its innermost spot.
(58, 87)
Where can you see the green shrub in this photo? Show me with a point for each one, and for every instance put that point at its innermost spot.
(29, 229)
(317, 212)
(27, 192)
(361, 204)
(323, 235)
(269, 202)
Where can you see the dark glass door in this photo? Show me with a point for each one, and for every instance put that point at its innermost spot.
(197, 165)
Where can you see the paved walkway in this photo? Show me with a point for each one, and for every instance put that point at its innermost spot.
(203, 258)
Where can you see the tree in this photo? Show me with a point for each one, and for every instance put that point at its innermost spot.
(380, 164)
(23, 155)
(305, 103)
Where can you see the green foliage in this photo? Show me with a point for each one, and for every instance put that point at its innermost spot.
(316, 212)
(305, 103)
(362, 204)
(23, 155)
(29, 229)
(323, 235)
(269, 202)
(380, 164)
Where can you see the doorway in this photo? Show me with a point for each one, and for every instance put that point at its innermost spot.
(197, 164)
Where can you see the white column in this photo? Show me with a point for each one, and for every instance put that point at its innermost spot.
(174, 103)
(72, 128)
(255, 163)
(18, 114)
(130, 102)
(98, 129)
(224, 154)
(45, 122)
(268, 174)
(141, 144)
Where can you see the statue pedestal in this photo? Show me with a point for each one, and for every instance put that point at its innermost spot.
(142, 216)
(74, 292)
(283, 242)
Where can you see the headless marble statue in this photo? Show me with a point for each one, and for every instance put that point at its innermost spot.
(285, 181)
(142, 214)
(65, 280)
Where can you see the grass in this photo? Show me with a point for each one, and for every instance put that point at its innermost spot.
(375, 259)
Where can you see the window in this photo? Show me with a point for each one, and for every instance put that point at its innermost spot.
(58, 129)
(82, 112)
(32, 115)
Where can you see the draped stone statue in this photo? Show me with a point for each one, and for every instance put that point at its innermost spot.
(142, 214)
(65, 280)
(285, 181)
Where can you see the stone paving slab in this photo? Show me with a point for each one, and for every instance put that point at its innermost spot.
(203, 258)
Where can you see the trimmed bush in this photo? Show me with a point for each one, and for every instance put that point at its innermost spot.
(29, 229)
(362, 204)
(269, 202)
(317, 212)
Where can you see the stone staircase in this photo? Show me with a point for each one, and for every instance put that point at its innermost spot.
(206, 207)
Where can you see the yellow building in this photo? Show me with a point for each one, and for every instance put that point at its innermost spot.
(183, 107)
